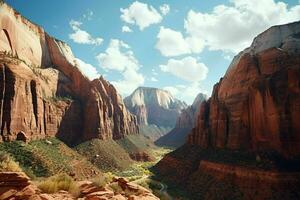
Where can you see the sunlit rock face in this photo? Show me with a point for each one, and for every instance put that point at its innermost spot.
(45, 94)
(256, 105)
(154, 108)
(247, 135)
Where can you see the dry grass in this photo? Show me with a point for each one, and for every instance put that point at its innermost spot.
(59, 182)
(7, 163)
(103, 179)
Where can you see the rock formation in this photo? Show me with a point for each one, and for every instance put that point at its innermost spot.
(247, 135)
(156, 110)
(184, 124)
(43, 92)
(256, 105)
(16, 185)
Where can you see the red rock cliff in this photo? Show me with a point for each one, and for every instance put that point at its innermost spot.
(43, 93)
(256, 105)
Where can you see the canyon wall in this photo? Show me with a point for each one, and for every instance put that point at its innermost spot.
(156, 110)
(256, 105)
(184, 124)
(247, 135)
(45, 94)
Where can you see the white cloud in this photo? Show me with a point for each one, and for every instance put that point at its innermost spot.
(164, 9)
(87, 69)
(126, 29)
(187, 69)
(81, 36)
(140, 14)
(153, 79)
(172, 43)
(118, 57)
(232, 28)
(186, 92)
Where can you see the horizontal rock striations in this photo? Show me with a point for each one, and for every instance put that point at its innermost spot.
(256, 105)
(43, 92)
(247, 135)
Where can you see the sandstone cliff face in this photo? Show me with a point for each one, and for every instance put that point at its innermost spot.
(184, 124)
(45, 94)
(255, 106)
(155, 108)
(188, 116)
(247, 134)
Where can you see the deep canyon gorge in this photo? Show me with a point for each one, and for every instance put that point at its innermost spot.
(65, 136)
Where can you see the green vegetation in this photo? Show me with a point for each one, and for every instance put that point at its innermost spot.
(59, 98)
(7, 163)
(47, 157)
(135, 143)
(59, 182)
(113, 156)
(107, 155)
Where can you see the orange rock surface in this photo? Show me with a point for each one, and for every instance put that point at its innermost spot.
(43, 92)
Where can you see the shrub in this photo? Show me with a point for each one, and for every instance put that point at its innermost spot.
(103, 179)
(59, 182)
(7, 163)
(116, 188)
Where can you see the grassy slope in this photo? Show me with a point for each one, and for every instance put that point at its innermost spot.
(43, 158)
(106, 155)
(153, 132)
(113, 155)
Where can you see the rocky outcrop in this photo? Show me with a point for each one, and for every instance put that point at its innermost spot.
(255, 106)
(45, 94)
(16, 185)
(184, 124)
(155, 108)
(246, 135)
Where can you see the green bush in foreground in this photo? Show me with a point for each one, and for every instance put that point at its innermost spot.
(59, 182)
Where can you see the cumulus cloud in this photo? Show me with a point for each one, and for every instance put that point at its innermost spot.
(187, 69)
(87, 69)
(119, 58)
(172, 43)
(81, 36)
(126, 29)
(227, 28)
(164, 9)
(140, 14)
(232, 28)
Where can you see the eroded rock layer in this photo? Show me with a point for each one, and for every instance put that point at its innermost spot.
(256, 105)
(43, 92)
(247, 135)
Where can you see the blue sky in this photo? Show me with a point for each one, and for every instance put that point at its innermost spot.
(183, 46)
